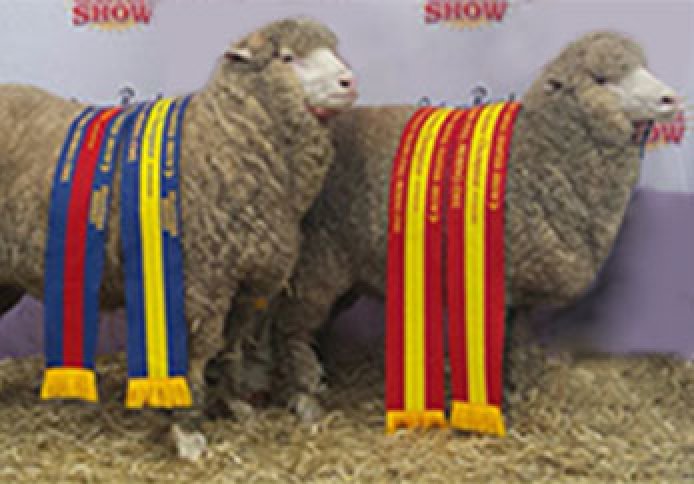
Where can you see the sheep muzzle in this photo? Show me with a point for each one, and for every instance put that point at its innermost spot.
(329, 84)
(645, 97)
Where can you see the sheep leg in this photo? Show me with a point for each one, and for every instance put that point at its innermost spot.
(317, 284)
(206, 306)
(9, 297)
(241, 373)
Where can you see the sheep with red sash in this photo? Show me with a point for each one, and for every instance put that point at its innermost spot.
(573, 160)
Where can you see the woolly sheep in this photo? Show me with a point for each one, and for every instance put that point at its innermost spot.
(574, 161)
(255, 150)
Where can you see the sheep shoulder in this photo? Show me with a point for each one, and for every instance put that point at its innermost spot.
(566, 198)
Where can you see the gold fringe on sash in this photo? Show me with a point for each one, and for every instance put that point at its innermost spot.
(478, 417)
(69, 383)
(158, 393)
(424, 419)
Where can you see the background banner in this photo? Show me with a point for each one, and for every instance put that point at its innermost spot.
(403, 51)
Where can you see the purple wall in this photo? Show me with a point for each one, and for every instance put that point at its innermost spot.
(642, 302)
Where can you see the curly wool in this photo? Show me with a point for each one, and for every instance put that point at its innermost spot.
(571, 171)
(253, 159)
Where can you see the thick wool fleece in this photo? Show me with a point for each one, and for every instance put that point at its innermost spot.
(571, 172)
(253, 158)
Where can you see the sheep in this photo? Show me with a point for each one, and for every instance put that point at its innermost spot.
(575, 157)
(255, 150)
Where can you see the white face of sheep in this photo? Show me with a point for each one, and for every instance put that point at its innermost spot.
(644, 96)
(330, 85)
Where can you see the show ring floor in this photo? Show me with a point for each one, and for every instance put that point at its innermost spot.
(594, 418)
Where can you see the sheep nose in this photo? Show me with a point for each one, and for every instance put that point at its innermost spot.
(669, 101)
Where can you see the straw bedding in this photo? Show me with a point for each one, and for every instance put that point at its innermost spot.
(587, 417)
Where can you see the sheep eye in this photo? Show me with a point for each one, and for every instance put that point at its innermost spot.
(287, 58)
(601, 80)
(553, 85)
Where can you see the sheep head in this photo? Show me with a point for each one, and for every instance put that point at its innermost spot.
(308, 50)
(601, 81)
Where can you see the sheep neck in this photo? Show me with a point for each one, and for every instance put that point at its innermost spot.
(274, 125)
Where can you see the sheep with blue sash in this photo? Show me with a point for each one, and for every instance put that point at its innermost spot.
(167, 207)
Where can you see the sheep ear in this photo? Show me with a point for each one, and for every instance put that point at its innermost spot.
(553, 85)
(239, 54)
(249, 49)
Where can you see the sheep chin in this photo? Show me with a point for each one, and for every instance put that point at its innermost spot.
(321, 113)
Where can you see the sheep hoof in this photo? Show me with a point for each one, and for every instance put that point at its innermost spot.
(306, 407)
(241, 411)
(190, 445)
